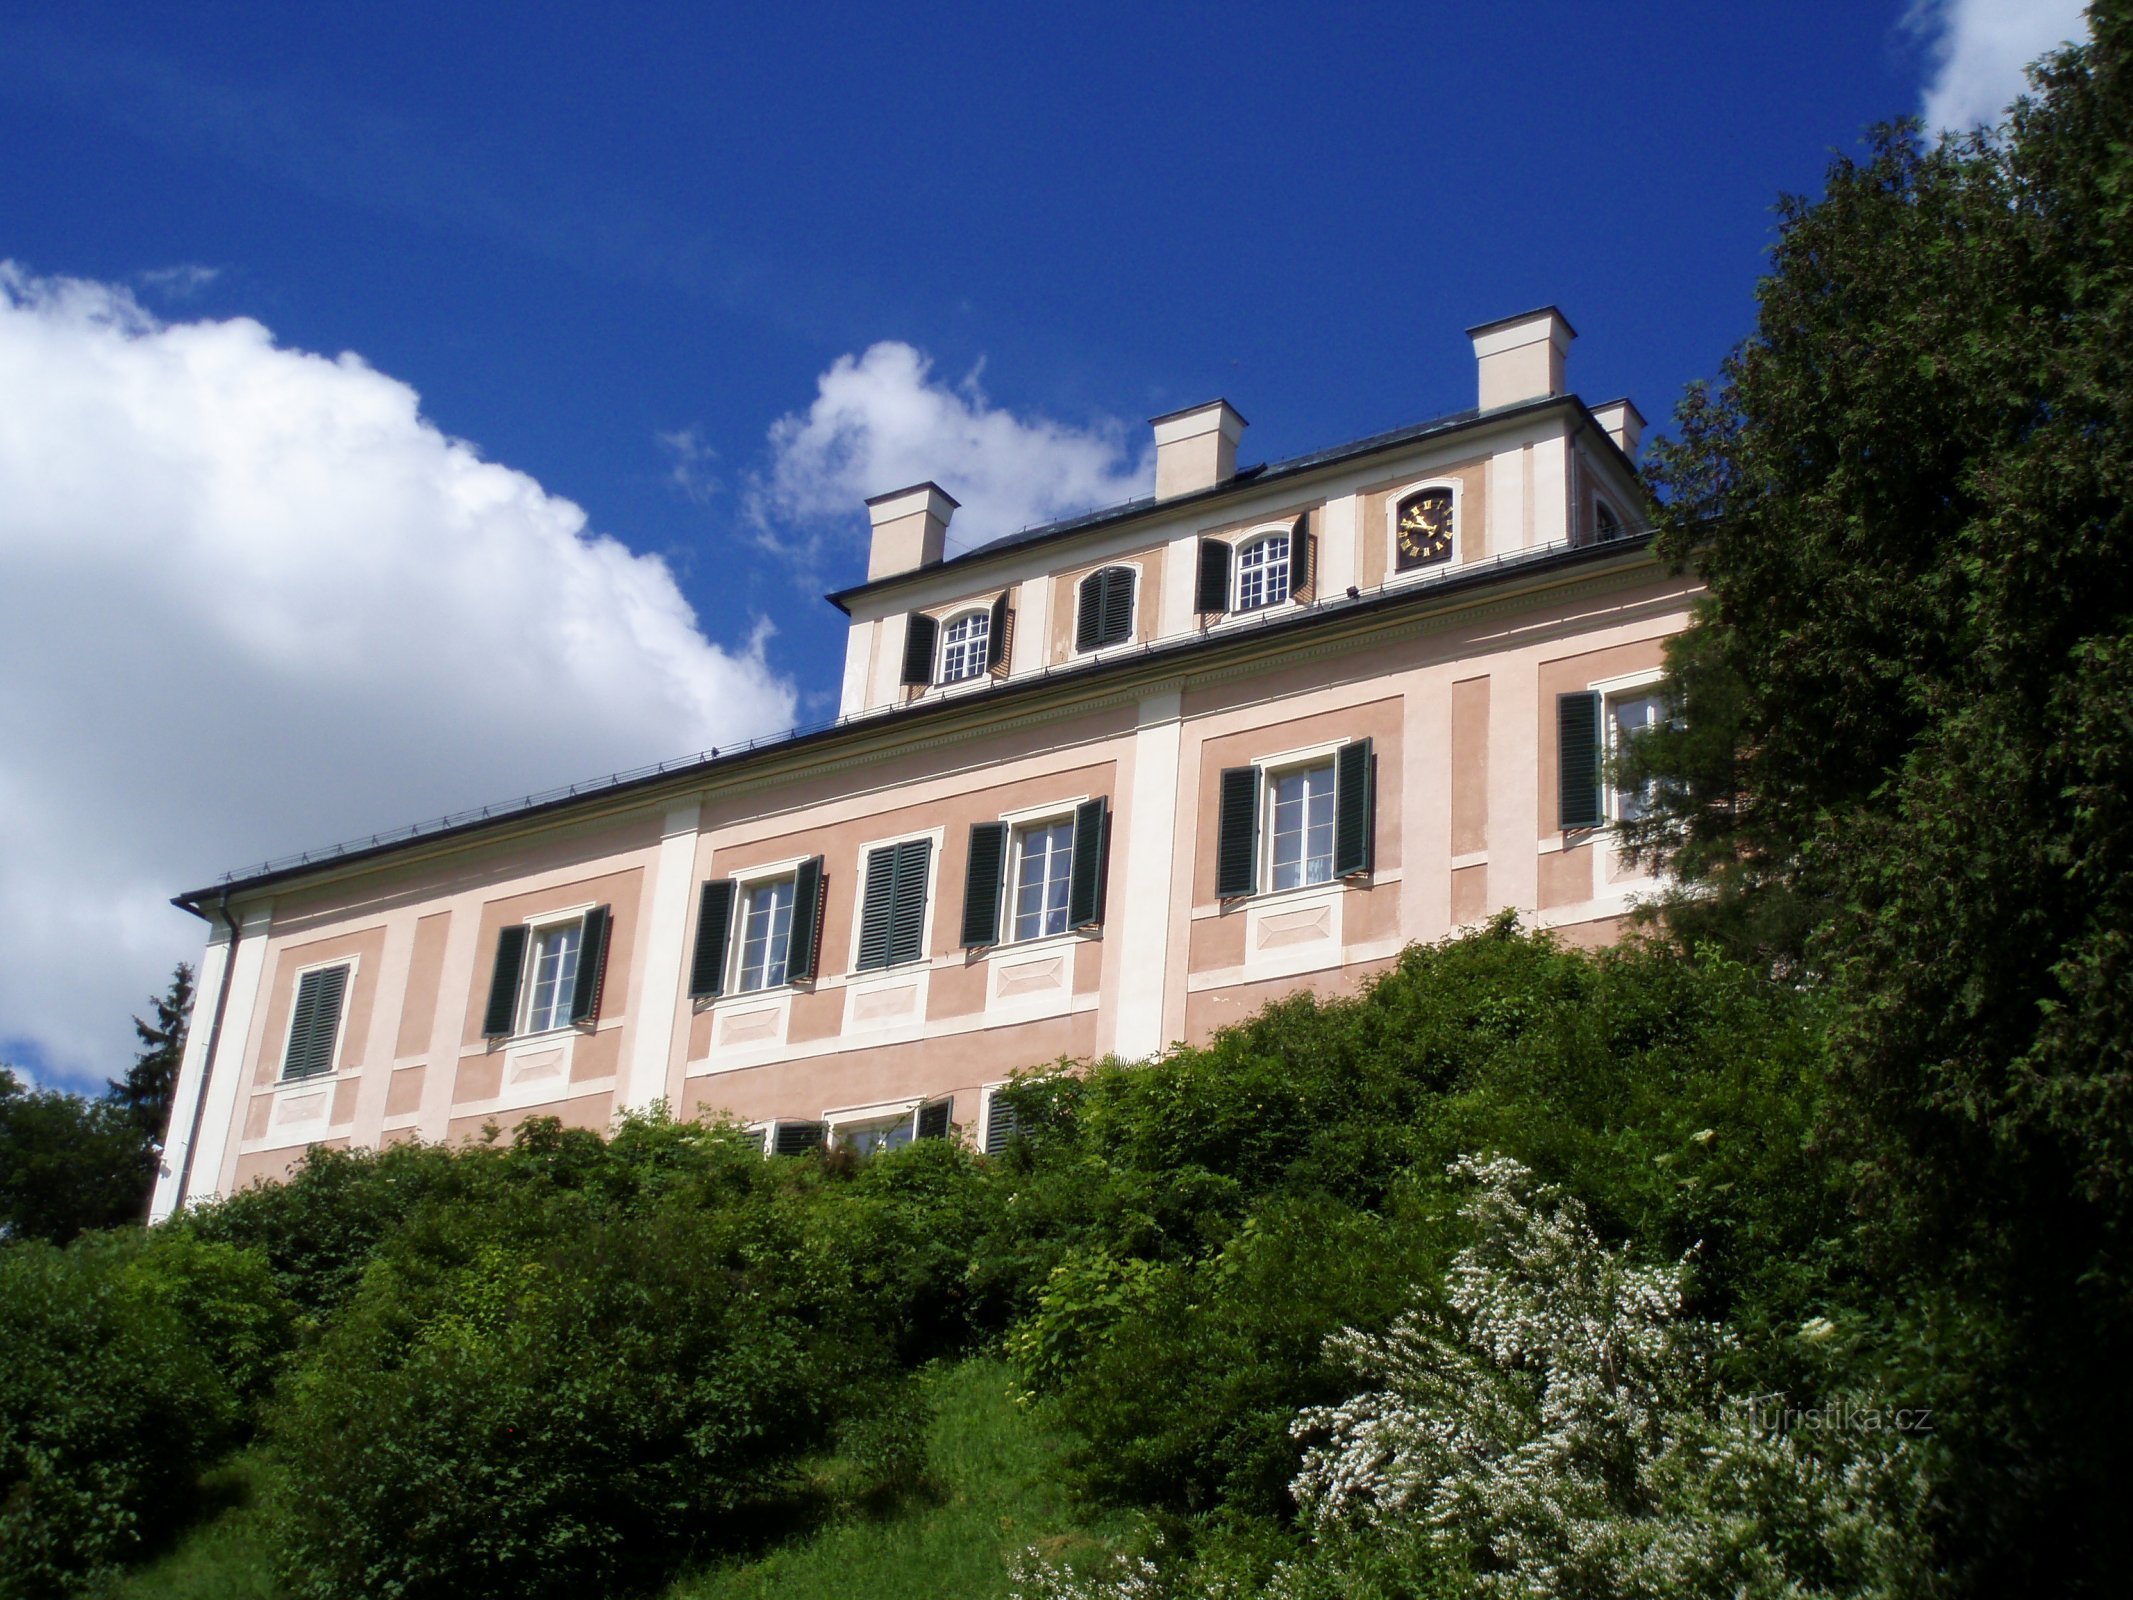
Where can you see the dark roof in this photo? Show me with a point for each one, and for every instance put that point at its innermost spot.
(1384, 598)
(1089, 521)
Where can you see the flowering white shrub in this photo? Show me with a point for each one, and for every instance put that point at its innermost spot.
(1556, 1429)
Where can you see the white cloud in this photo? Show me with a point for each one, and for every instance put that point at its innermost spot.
(1979, 49)
(180, 282)
(256, 602)
(690, 473)
(880, 421)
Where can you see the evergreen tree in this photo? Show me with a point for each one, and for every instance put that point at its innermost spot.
(145, 1092)
(1911, 495)
(68, 1164)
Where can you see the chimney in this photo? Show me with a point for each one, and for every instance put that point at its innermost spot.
(1196, 448)
(1521, 357)
(1623, 423)
(910, 529)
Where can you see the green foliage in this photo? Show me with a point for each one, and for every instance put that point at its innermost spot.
(107, 1404)
(1909, 495)
(145, 1093)
(67, 1164)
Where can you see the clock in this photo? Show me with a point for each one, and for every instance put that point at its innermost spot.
(1424, 529)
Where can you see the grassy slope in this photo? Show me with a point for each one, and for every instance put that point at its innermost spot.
(995, 1492)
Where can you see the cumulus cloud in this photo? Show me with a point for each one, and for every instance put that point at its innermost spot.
(257, 602)
(1979, 49)
(881, 421)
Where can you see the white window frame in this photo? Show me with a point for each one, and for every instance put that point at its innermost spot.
(886, 1113)
(1286, 532)
(536, 925)
(1011, 881)
(982, 617)
(745, 882)
(1629, 686)
(1272, 768)
(340, 1027)
(1133, 623)
(1393, 571)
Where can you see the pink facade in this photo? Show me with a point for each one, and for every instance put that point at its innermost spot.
(1094, 789)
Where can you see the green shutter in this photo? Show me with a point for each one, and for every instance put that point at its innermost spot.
(920, 632)
(1001, 1126)
(998, 633)
(1090, 610)
(934, 1121)
(1089, 872)
(714, 926)
(879, 896)
(497, 1021)
(1577, 723)
(1301, 545)
(1118, 605)
(1237, 842)
(1213, 597)
(981, 890)
(1355, 805)
(795, 1138)
(316, 1024)
(592, 967)
(907, 915)
(810, 890)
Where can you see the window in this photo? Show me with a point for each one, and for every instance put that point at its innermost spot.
(1104, 611)
(1605, 524)
(1627, 716)
(1047, 875)
(548, 974)
(315, 1023)
(892, 911)
(1289, 824)
(1591, 726)
(997, 1127)
(1044, 857)
(1262, 573)
(1300, 842)
(963, 647)
(865, 1133)
(780, 914)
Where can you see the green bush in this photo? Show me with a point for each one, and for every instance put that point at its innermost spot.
(550, 1395)
(108, 1407)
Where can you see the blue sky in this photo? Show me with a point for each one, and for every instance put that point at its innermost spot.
(611, 248)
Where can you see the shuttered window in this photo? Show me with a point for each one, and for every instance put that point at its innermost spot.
(1092, 864)
(1104, 613)
(1577, 747)
(965, 646)
(1001, 634)
(920, 634)
(502, 1010)
(548, 977)
(1213, 595)
(1263, 573)
(1303, 552)
(892, 919)
(1237, 838)
(794, 1138)
(1001, 1127)
(981, 889)
(935, 1121)
(810, 890)
(714, 925)
(1355, 806)
(316, 1024)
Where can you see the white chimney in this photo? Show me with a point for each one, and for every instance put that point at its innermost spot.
(1521, 357)
(1196, 448)
(1623, 423)
(910, 529)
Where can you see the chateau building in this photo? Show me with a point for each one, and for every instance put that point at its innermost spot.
(1098, 787)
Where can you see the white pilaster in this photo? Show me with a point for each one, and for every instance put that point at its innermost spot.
(185, 1094)
(1142, 894)
(654, 1008)
(1508, 514)
(1339, 552)
(225, 1087)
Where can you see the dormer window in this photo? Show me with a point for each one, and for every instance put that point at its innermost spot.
(963, 647)
(1104, 611)
(1262, 573)
(1605, 524)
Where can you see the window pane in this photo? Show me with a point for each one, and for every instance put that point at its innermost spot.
(766, 935)
(865, 1138)
(1302, 819)
(555, 970)
(1044, 865)
(963, 647)
(1627, 716)
(1263, 573)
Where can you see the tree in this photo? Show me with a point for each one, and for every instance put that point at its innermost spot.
(67, 1164)
(145, 1092)
(1909, 495)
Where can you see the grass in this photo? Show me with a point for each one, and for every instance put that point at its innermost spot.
(992, 1491)
(995, 1492)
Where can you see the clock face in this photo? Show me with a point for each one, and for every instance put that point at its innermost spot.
(1424, 529)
